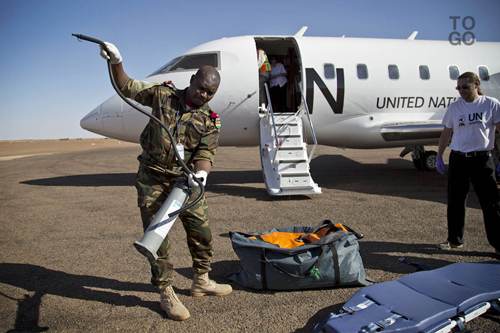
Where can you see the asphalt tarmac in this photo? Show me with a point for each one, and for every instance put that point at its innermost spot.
(69, 218)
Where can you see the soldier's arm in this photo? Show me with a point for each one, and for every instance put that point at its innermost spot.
(202, 165)
(112, 54)
(119, 75)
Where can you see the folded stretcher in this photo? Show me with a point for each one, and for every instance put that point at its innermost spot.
(428, 301)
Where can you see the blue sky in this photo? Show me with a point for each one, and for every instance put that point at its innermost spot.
(50, 80)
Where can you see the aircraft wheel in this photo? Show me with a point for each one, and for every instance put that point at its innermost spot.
(429, 161)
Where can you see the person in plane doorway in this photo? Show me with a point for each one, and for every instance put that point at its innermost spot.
(264, 68)
(472, 121)
(278, 84)
(196, 129)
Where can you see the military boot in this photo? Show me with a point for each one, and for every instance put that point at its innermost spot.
(172, 306)
(203, 286)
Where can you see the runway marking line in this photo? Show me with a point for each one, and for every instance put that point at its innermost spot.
(9, 158)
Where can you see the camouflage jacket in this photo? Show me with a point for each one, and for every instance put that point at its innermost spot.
(195, 128)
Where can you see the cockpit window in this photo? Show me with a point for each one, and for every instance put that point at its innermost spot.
(190, 62)
(166, 67)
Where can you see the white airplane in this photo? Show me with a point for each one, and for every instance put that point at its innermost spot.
(359, 93)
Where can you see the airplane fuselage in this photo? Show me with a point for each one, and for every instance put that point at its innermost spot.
(360, 93)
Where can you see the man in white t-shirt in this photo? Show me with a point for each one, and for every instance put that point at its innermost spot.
(472, 121)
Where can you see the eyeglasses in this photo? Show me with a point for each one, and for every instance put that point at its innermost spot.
(465, 86)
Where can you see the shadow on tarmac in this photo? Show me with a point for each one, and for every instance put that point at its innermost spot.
(397, 177)
(42, 281)
(385, 256)
(94, 180)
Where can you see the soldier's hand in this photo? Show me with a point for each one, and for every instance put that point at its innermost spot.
(200, 175)
(111, 53)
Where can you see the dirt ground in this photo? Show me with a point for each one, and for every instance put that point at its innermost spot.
(69, 219)
(18, 149)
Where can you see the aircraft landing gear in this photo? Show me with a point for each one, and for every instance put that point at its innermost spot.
(428, 160)
(422, 159)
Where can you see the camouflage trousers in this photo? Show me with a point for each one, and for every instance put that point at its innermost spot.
(153, 189)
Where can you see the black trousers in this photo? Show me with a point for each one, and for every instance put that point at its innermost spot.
(279, 98)
(480, 171)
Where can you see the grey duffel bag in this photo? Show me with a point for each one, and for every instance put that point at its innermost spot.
(331, 261)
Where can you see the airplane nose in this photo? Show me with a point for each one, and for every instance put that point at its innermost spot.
(106, 119)
(93, 121)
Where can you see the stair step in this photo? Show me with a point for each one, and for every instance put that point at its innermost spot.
(292, 155)
(303, 182)
(285, 168)
(283, 120)
(289, 142)
(288, 130)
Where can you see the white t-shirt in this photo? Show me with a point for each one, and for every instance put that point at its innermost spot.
(473, 123)
(280, 80)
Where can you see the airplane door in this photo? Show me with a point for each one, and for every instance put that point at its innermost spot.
(285, 50)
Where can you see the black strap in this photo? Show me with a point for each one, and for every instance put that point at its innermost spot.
(263, 266)
(336, 266)
(495, 307)
(419, 265)
(357, 234)
(324, 224)
(259, 237)
(381, 324)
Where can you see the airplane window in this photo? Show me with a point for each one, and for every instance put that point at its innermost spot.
(166, 67)
(454, 72)
(190, 62)
(362, 72)
(329, 71)
(484, 74)
(424, 72)
(393, 72)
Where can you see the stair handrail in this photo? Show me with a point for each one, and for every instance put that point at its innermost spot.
(270, 108)
(310, 122)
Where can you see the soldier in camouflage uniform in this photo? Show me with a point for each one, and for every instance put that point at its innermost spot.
(196, 131)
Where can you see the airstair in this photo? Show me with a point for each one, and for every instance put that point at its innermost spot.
(283, 152)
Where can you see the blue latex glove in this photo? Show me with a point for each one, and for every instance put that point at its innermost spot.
(498, 169)
(440, 165)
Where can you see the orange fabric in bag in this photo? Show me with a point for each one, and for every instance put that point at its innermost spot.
(289, 240)
(286, 240)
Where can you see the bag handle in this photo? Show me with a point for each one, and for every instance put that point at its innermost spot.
(324, 224)
(332, 228)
